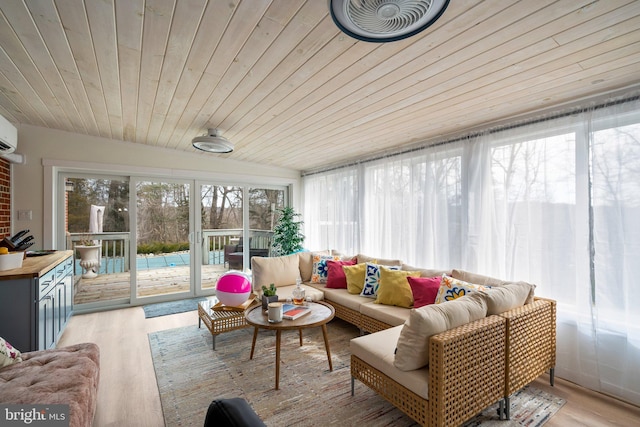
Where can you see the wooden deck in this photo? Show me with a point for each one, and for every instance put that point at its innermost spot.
(157, 281)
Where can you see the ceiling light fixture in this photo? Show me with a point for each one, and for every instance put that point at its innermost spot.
(213, 142)
(385, 20)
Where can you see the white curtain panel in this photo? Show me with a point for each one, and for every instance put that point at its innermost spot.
(332, 211)
(555, 202)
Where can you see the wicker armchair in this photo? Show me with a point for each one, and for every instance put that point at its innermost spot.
(526, 350)
(466, 374)
(530, 346)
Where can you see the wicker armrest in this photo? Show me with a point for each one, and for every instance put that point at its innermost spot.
(531, 343)
(466, 370)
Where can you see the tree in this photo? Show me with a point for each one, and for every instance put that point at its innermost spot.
(287, 237)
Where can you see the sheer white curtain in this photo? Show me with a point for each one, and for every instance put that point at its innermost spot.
(613, 329)
(555, 202)
(412, 207)
(332, 210)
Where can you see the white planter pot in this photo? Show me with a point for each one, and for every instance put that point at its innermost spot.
(89, 260)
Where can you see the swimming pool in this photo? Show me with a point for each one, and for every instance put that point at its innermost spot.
(151, 262)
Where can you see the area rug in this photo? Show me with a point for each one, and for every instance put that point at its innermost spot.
(190, 375)
(171, 307)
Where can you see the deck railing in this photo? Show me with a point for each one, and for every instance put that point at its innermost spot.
(214, 242)
(114, 257)
(114, 252)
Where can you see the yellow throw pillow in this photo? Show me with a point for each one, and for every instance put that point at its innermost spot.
(394, 287)
(355, 277)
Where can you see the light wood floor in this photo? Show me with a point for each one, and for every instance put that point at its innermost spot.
(128, 394)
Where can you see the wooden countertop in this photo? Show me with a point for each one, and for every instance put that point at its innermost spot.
(35, 266)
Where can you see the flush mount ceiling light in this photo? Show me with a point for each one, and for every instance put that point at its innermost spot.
(385, 20)
(213, 142)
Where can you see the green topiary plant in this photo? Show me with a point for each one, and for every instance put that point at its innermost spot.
(287, 237)
(270, 291)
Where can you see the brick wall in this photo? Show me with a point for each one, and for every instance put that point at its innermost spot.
(5, 198)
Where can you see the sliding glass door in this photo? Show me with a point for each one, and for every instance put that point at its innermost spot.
(138, 240)
(221, 231)
(163, 236)
(225, 243)
(96, 226)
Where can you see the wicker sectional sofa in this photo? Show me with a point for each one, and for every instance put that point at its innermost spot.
(470, 366)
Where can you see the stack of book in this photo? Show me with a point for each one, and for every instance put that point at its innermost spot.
(292, 312)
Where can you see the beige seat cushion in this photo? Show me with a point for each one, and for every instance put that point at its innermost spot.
(389, 314)
(413, 345)
(343, 297)
(480, 279)
(281, 271)
(377, 350)
(285, 292)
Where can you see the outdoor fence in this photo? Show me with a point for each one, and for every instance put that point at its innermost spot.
(115, 247)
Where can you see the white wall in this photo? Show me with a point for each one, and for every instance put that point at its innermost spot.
(46, 150)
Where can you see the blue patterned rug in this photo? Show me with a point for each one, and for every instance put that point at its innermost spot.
(190, 375)
(171, 307)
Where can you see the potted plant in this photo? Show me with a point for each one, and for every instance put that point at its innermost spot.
(268, 295)
(287, 237)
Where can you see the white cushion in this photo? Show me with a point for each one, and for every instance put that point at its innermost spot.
(413, 345)
(389, 314)
(366, 258)
(343, 297)
(285, 292)
(488, 281)
(377, 350)
(426, 272)
(281, 271)
(505, 297)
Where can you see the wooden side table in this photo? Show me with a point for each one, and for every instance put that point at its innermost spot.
(219, 320)
(321, 313)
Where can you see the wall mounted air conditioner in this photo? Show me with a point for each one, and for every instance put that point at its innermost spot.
(8, 136)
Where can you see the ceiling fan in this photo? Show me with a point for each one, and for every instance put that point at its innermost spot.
(384, 21)
(213, 142)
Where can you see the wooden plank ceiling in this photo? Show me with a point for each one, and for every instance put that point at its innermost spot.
(281, 81)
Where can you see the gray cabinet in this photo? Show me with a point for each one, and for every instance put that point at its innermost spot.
(35, 305)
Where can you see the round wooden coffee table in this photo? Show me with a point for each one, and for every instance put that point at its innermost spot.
(321, 313)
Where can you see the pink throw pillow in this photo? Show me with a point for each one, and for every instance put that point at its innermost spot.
(336, 278)
(424, 290)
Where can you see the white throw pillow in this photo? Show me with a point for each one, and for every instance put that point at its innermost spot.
(281, 271)
(505, 297)
(412, 350)
(489, 281)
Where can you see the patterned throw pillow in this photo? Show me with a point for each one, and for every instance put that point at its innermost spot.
(8, 354)
(451, 289)
(319, 270)
(372, 279)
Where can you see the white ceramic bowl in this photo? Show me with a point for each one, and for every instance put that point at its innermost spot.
(11, 260)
